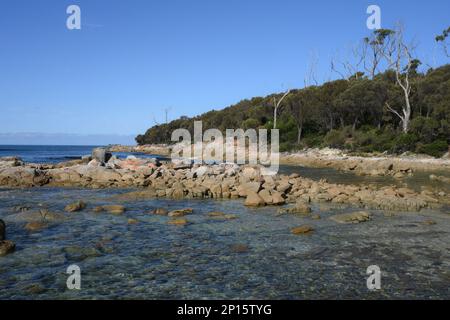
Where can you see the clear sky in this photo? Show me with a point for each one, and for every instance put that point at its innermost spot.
(131, 59)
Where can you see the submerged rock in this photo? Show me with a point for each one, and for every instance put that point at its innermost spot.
(42, 215)
(429, 222)
(160, 211)
(354, 217)
(302, 230)
(216, 214)
(2, 230)
(180, 212)
(222, 216)
(6, 247)
(76, 206)
(239, 248)
(178, 222)
(98, 209)
(230, 217)
(35, 289)
(20, 208)
(114, 209)
(78, 253)
(36, 226)
(299, 208)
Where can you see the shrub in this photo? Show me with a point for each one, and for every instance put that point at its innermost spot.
(335, 139)
(374, 140)
(425, 128)
(287, 146)
(250, 124)
(404, 142)
(312, 141)
(436, 149)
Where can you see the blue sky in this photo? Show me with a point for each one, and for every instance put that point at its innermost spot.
(132, 59)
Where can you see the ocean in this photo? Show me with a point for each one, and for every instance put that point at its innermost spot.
(55, 154)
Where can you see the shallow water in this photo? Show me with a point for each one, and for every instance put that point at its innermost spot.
(152, 260)
(416, 181)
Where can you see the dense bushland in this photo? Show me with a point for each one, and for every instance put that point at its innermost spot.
(361, 113)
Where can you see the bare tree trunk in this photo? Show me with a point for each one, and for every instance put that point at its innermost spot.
(354, 125)
(299, 133)
(276, 106)
(400, 52)
(407, 114)
(275, 111)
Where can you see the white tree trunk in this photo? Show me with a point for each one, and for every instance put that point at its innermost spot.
(276, 106)
(398, 54)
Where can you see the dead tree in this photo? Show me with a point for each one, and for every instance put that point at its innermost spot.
(310, 77)
(399, 58)
(166, 112)
(349, 67)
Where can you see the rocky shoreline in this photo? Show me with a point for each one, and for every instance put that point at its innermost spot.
(159, 149)
(370, 165)
(395, 166)
(224, 181)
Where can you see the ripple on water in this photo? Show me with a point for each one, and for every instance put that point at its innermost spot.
(253, 256)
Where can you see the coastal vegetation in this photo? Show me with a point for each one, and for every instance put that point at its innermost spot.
(385, 100)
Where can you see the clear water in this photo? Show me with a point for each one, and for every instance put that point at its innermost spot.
(152, 259)
(416, 181)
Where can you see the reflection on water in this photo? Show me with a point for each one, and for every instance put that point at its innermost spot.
(152, 259)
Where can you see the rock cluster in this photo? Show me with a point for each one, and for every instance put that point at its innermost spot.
(161, 149)
(224, 181)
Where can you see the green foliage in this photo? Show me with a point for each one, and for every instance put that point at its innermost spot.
(312, 141)
(335, 139)
(426, 128)
(436, 149)
(342, 114)
(374, 140)
(250, 124)
(404, 142)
